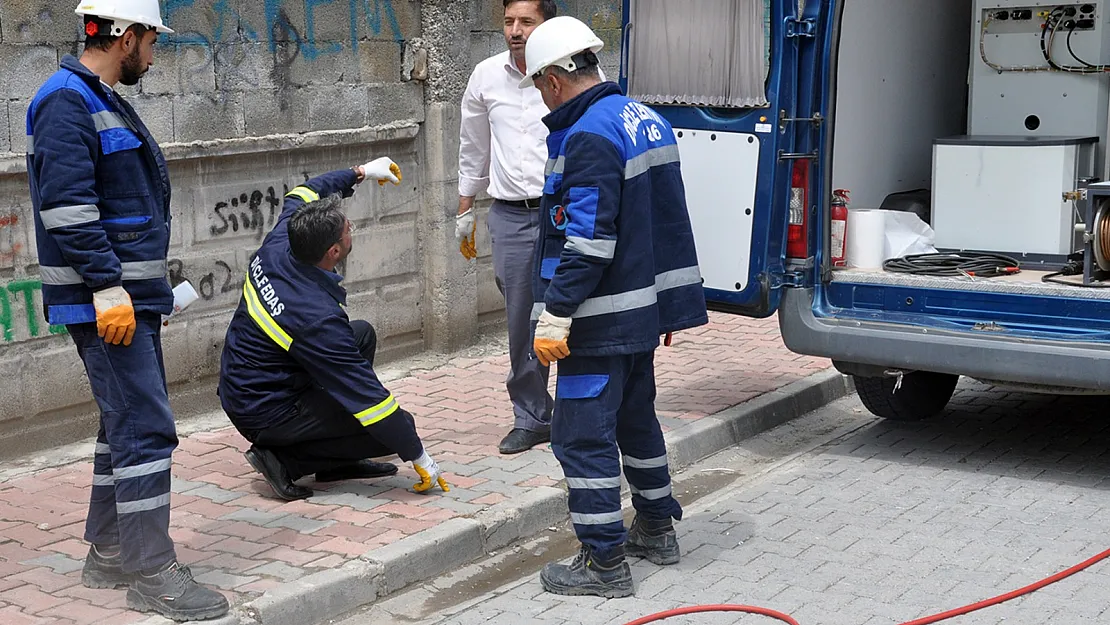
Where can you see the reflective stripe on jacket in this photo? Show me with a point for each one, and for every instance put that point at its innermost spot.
(101, 197)
(616, 249)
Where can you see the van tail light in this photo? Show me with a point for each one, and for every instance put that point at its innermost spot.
(797, 235)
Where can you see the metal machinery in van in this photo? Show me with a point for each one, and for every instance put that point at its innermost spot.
(966, 98)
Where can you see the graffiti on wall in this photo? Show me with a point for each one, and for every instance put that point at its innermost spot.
(9, 248)
(249, 212)
(210, 277)
(21, 295)
(373, 17)
(21, 317)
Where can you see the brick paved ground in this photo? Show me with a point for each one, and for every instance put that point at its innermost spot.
(237, 538)
(890, 523)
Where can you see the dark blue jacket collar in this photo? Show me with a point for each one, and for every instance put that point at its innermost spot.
(567, 114)
(71, 63)
(328, 280)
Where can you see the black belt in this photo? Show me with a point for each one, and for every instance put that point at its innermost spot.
(528, 203)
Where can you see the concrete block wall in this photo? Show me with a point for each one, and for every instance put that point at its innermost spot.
(249, 98)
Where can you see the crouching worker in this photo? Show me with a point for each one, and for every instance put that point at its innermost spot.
(297, 376)
(616, 268)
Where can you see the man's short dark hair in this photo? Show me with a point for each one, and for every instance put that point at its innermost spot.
(102, 39)
(589, 70)
(315, 227)
(547, 7)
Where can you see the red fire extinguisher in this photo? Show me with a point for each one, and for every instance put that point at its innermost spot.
(838, 244)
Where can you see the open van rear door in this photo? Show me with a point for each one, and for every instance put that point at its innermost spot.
(746, 160)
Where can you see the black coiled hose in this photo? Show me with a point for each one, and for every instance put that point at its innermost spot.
(973, 264)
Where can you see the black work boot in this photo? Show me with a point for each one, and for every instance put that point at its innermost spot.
(265, 462)
(172, 592)
(586, 575)
(361, 470)
(654, 540)
(103, 568)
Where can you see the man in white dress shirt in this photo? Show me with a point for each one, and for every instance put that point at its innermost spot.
(503, 150)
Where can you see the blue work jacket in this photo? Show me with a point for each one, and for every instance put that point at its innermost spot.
(291, 332)
(101, 197)
(616, 251)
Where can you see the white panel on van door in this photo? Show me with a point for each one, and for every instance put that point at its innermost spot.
(719, 171)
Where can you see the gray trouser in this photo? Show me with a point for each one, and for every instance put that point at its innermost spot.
(513, 233)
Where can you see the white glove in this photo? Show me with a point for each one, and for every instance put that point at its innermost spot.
(429, 472)
(466, 229)
(464, 224)
(550, 343)
(382, 169)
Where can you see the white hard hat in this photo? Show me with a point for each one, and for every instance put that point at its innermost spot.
(124, 13)
(554, 42)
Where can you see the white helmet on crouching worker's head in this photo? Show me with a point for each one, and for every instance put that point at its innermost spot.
(124, 13)
(560, 42)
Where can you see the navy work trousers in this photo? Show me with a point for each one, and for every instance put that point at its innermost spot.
(322, 434)
(130, 502)
(605, 410)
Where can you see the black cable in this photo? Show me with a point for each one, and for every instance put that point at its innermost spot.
(1053, 21)
(973, 264)
(1072, 52)
(1053, 278)
(1074, 267)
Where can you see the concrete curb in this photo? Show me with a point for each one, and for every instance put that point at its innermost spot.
(418, 558)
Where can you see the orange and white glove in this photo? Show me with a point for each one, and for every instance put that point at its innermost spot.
(430, 474)
(466, 228)
(382, 169)
(115, 316)
(550, 343)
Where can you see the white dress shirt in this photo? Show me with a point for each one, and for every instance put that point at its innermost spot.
(502, 146)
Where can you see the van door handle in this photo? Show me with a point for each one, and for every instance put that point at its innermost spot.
(815, 120)
(797, 156)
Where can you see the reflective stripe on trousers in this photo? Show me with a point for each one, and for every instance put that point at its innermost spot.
(605, 407)
(130, 499)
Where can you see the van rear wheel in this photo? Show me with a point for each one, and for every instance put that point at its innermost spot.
(923, 394)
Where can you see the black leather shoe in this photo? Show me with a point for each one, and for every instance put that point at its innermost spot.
(103, 571)
(265, 462)
(522, 440)
(173, 593)
(361, 470)
(588, 575)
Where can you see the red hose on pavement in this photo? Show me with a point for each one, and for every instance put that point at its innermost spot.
(928, 620)
(714, 608)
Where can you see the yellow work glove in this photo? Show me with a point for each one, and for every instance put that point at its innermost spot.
(466, 228)
(382, 169)
(115, 316)
(550, 343)
(430, 474)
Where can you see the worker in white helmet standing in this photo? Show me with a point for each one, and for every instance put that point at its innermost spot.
(615, 269)
(101, 197)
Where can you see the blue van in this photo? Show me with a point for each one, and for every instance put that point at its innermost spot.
(777, 103)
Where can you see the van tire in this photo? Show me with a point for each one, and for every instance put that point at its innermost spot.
(923, 394)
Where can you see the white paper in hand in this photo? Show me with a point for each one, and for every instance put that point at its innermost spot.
(183, 295)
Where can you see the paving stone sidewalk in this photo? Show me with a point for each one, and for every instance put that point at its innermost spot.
(236, 537)
(882, 523)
